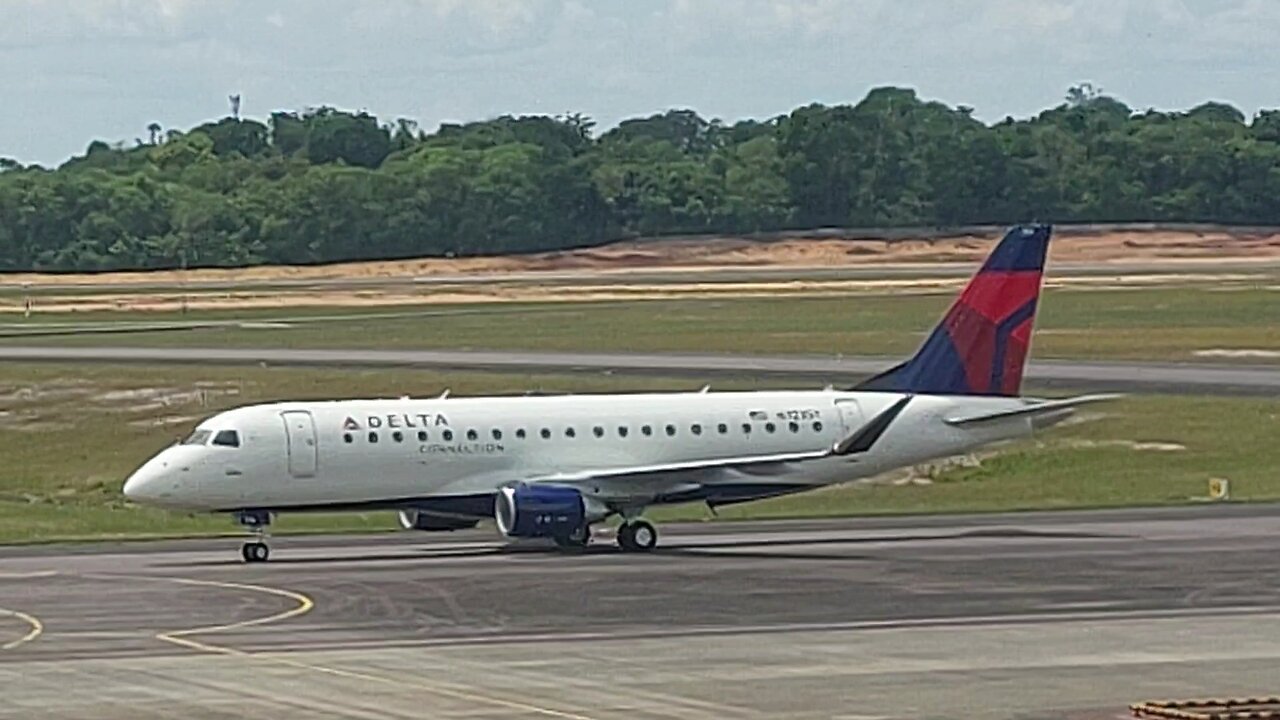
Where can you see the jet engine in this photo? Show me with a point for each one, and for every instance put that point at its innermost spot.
(530, 511)
(411, 519)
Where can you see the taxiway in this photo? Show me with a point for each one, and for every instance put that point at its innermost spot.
(1045, 615)
(1200, 378)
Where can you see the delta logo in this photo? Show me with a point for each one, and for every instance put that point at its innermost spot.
(396, 421)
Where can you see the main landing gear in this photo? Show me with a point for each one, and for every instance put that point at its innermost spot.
(257, 521)
(633, 536)
(637, 536)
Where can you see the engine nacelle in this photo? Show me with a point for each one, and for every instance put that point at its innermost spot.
(411, 519)
(531, 511)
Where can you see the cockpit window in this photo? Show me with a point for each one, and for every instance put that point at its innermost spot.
(199, 437)
(227, 438)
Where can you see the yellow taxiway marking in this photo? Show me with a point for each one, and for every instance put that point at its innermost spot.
(182, 638)
(305, 604)
(37, 628)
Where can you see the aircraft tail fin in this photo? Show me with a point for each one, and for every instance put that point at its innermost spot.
(981, 345)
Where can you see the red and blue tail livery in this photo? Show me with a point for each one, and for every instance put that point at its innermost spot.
(981, 345)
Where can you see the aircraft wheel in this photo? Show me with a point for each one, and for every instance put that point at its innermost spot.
(644, 536)
(255, 552)
(626, 540)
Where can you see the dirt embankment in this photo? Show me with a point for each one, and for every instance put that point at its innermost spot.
(693, 255)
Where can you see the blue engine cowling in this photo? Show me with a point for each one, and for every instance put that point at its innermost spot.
(414, 519)
(529, 511)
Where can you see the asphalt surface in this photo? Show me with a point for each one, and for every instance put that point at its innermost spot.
(1110, 376)
(1070, 615)
(631, 276)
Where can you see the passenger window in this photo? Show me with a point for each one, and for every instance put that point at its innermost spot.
(546, 434)
(347, 438)
(722, 428)
(472, 435)
(817, 427)
(448, 435)
(497, 434)
(746, 428)
(373, 436)
(597, 431)
(520, 433)
(770, 427)
(397, 436)
(671, 430)
(227, 438)
(570, 432)
(622, 431)
(795, 427)
(697, 429)
(646, 430)
(422, 436)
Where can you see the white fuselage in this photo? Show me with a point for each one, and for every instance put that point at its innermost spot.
(389, 452)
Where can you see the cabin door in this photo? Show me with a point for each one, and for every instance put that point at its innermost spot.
(300, 430)
(851, 416)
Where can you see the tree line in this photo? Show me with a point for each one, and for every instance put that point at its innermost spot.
(326, 185)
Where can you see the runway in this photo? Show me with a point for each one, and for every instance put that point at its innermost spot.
(1047, 615)
(1202, 378)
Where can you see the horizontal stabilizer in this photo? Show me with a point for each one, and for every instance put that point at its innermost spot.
(1034, 409)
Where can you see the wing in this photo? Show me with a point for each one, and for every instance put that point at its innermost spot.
(638, 472)
(747, 476)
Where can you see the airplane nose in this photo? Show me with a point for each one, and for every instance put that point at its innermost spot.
(146, 484)
(135, 488)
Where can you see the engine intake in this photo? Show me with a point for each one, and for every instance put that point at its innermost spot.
(529, 511)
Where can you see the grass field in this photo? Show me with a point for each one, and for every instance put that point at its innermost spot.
(70, 434)
(1164, 324)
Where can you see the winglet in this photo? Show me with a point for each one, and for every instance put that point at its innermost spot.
(867, 436)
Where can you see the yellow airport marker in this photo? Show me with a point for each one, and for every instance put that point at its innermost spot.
(1219, 489)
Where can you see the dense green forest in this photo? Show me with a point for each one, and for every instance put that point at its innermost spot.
(326, 185)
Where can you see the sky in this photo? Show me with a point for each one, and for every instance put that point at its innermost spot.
(72, 71)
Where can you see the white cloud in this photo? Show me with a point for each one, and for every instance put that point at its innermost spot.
(481, 25)
(34, 21)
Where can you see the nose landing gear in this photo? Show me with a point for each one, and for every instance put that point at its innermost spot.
(255, 552)
(257, 521)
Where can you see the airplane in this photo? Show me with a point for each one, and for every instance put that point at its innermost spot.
(553, 466)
